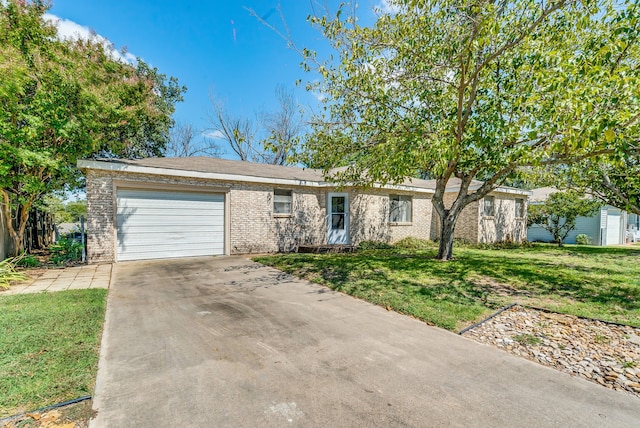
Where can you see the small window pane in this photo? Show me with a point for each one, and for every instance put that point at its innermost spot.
(282, 201)
(337, 221)
(337, 204)
(400, 208)
(489, 203)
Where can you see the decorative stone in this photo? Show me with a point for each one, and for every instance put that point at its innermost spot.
(600, 352)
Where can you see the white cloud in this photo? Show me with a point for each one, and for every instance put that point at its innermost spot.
(215, 135)
(387, 7)
(69, 30)
(319, 96)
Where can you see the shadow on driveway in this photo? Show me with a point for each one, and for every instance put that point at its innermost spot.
(228, 342)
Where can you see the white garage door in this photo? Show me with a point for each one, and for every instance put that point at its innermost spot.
(613, 228)
(161, 224)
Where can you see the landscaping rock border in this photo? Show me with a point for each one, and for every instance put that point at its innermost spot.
(604, 353)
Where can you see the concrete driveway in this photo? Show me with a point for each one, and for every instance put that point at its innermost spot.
(225, 342)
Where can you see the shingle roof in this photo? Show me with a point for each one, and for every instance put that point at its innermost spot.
(225, 166)
(264, 171)
(541, 194)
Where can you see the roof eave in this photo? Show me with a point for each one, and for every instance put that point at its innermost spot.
(116, 166)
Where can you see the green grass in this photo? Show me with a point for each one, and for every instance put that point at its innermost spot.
(594, 282)
(49, 346)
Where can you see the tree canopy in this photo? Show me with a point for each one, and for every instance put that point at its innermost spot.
(61, 100)
(474, 90)
(613, 180)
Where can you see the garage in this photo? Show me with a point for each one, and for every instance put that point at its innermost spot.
(155, 224)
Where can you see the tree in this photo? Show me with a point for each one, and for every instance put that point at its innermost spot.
(62, 100)
(238, 132)
(474, 90)
(76, 209)
(182, 143)
(613, 181)
(283, 127)
(559, 212)
(55, 206)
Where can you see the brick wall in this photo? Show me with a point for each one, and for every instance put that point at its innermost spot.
(255, 228)
(467, 224)
(503, 225)
(370, 217)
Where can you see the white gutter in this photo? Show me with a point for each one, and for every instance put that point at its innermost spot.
(139, 169)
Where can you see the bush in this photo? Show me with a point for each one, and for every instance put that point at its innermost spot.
(65, 250)
(8, 273)
(373, 245)
(503, 245)
(27, 261)
(414, 244)
(583, 239)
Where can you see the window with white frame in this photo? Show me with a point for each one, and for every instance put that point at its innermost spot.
(282, 201)
(519, 207)
(489, 206)
(400, 207)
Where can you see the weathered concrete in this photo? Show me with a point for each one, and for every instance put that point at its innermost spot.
(71, 278)
(227, 342)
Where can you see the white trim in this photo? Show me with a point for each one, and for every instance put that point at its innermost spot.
(347, 209)
(121, 167)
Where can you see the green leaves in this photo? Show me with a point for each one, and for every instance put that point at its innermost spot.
(65, 100)
(477, 91)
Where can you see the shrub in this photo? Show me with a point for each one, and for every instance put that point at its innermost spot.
(373, 245)
(27, 261)
(65, 250)
(583, 239)
(8, 273)
(413, 244)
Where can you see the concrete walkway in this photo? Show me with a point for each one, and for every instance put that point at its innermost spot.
(72, 278)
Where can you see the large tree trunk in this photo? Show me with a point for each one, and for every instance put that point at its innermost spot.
(447, 229)
(17, 234)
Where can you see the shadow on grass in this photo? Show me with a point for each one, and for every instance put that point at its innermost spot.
(412, 281)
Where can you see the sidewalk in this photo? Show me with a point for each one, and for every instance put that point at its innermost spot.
(73, 278)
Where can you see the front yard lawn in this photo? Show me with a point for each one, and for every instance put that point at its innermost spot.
(595, 282)
(49, 346)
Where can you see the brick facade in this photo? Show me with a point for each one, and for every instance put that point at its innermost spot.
(467, 224)
(503, 225)
(253, 227)
(473, 226)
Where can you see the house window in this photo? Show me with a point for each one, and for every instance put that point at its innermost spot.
(400, 207)
(519, 207)
(282, 201)
(489, 206)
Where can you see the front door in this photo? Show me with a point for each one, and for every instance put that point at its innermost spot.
(338, 218)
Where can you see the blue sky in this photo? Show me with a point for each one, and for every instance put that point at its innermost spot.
(209, 45)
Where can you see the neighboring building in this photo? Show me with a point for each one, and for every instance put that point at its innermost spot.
(179, 207)
(607, 227)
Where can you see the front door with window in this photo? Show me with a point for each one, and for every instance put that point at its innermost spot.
(338, 218)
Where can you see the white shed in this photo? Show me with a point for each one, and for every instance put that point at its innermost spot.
(606, 227)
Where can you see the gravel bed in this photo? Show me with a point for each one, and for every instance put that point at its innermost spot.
(603, 353)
